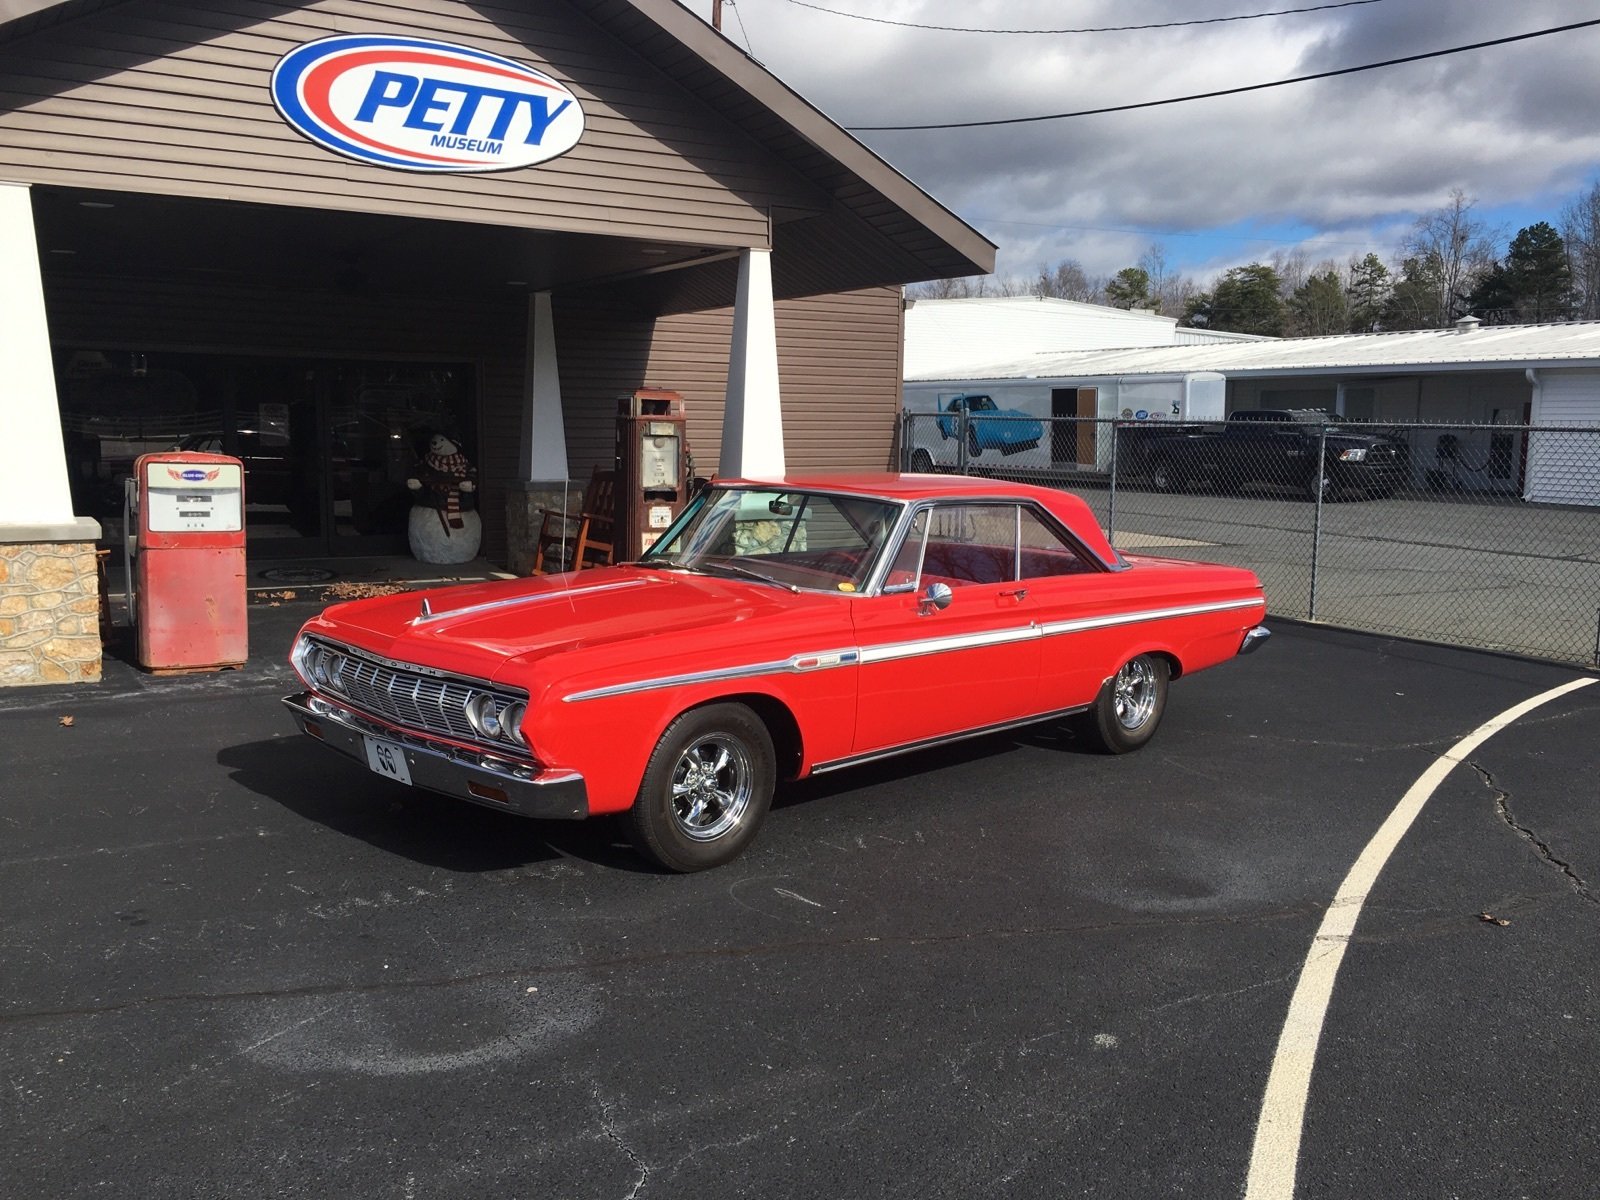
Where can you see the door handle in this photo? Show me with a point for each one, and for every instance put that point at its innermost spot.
(1016, 593)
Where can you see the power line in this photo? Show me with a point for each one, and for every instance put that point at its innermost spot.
(739, 17)
(1095, 29)
(1254, 87)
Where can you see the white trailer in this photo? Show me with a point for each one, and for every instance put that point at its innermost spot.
(1071, 441)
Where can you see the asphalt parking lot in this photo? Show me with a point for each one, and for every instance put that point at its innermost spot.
(233, 964)
(1485, 572)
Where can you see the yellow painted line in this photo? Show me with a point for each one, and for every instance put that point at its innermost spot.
(1276, 1154)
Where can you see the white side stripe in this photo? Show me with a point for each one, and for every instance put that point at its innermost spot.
(827, 660)
(1153, 614)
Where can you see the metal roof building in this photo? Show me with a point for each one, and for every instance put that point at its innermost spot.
(1468, 347)
(946, 338)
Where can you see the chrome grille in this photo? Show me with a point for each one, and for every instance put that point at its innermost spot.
(409, 699)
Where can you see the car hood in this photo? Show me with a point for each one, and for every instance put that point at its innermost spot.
(480, 629)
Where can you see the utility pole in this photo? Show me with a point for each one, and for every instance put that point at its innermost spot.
(716, 15)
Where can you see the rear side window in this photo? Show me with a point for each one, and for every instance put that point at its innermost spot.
(966, 544)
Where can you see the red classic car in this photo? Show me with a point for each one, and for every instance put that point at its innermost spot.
(776, 630)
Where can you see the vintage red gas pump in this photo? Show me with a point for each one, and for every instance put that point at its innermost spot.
(186, 550)
(652, 467)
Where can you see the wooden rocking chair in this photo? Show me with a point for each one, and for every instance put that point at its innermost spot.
(571, 542)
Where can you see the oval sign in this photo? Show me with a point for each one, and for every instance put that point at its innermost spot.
(419, 105)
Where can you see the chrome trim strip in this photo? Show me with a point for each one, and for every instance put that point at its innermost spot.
(798, 664)
(473, 610)
(893, 651)
(944, 645)
(856, 760)
(1055, 628)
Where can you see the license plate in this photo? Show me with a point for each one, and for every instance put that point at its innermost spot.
(387, 759)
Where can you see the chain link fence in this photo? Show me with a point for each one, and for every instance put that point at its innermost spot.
(1474, 535)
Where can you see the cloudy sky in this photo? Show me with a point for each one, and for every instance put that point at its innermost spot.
(1336, 167)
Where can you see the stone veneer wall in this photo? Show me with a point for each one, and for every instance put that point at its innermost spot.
(524, 514)
(49, 613)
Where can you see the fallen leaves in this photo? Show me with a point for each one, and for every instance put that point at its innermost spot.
(348, 590)
(1491, 919)
(66, 722)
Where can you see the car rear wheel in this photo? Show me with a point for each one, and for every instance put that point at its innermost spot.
(706, 790)
(973, 446)
(1129, 707)
(921, 462)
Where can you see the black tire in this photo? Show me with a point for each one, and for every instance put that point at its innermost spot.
(1165, 476)
(921, 462)
(973, 448)
(706, 790)
(1129, 707)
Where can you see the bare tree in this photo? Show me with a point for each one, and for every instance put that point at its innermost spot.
(1170, 290)
(964, 288)
(1580, 229)
(1067, 281)
(1293, 268)
(1453, 250)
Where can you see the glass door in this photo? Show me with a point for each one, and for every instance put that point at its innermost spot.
(381, 418)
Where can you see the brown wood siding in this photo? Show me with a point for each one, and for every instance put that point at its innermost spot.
(839, 362)
(839, 358)
(149, 315)
(173, 99)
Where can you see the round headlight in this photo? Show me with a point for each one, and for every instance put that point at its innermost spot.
(511, 722)
(484, 714)
(335, 671)
(317, 665)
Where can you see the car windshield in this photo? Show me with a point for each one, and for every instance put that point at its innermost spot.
(809, 541)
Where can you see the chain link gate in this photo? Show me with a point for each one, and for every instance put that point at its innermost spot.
(1474, 535)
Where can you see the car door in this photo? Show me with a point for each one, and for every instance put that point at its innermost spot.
(928, 672)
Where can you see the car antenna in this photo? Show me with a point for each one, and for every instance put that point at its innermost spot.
(426, 611)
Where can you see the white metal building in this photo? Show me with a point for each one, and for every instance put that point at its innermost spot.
(1471, 374)
(948, 337)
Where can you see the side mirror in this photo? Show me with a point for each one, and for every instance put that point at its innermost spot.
(937, 596)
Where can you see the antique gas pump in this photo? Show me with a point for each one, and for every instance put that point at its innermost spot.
(186, 566)
(652, 467)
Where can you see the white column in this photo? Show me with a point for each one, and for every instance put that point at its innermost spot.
(752, 422)
(33, 461)
(544, 430)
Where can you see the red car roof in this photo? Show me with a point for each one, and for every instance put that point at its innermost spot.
(893, 485)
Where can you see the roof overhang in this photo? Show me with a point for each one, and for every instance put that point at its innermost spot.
(874, 227)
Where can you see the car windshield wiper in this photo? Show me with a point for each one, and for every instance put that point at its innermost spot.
(746, 572)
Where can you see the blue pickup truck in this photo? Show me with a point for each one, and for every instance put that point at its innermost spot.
(988, 426)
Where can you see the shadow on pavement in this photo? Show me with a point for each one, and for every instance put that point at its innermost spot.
(436, 831)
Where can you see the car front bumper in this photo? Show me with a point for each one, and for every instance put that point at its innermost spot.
(439, 767)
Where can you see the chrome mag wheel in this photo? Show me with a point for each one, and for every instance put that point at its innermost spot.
(712, 785)
(1134, 694)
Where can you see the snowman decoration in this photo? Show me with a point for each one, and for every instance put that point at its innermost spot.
(444, 526)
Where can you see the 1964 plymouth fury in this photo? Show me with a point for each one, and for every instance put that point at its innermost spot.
(778, 629)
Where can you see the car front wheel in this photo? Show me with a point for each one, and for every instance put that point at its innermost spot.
(1129, 707)
(706, 790)
(1166, 477)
